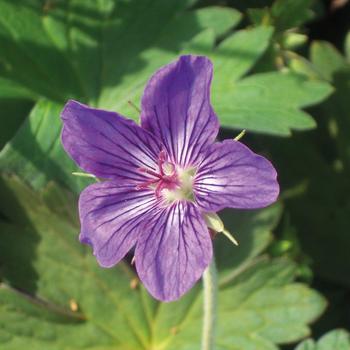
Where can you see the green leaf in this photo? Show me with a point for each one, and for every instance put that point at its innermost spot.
(326, 59)
(291, 13)
(264, 102)
(10, 89)
(334, 340)
(101, 52)
(36, 153)
(54, 295)
(253, 231)
(347, 46)
(267, 102)
(327, 156)
(283, 14)
(236, 55)
(270, 102)
(13, 113)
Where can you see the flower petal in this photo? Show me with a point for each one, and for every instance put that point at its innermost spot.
(107, 144)
(176, 108)
(231, 175)
(173, 251)
(110, 216)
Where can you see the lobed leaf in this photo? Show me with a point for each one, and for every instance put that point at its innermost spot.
(54, 296)
(102, 53)
(336, 340)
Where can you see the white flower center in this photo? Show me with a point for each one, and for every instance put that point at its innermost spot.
(183, 189)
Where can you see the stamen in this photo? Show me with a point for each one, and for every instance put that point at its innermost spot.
(132, 104)
(167, 177)
(161, 160)
(150, 172)
(240, 135)
(146, 184)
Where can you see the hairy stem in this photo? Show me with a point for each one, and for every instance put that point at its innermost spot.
(210, 286)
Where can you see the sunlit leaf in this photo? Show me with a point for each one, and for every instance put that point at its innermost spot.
(270, 103)
(100, 52)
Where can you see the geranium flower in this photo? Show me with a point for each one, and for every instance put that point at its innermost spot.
(162, 177)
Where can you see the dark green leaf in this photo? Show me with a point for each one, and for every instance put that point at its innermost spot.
(291, 13)
(13, 113)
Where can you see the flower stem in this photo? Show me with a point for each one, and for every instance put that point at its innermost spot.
(210, 286)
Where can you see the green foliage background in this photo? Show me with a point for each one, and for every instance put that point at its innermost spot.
(281, 71)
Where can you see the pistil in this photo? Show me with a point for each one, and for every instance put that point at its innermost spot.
(163, 179)
(169, 182)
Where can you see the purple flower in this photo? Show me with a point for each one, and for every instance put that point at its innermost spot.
(162, 177)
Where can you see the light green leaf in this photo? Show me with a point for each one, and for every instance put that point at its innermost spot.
(237, 54)
(270, 102)
(67, 302)
(333, 340)
(219, 19)
(326, 59)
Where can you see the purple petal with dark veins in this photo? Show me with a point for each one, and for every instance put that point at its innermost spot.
(173, 250)
(106, 144)
(176, 108)
(231, 175)
(110, 217)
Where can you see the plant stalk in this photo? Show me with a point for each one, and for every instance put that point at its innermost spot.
(210, 286)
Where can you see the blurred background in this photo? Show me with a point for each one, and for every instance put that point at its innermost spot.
(281, 71)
